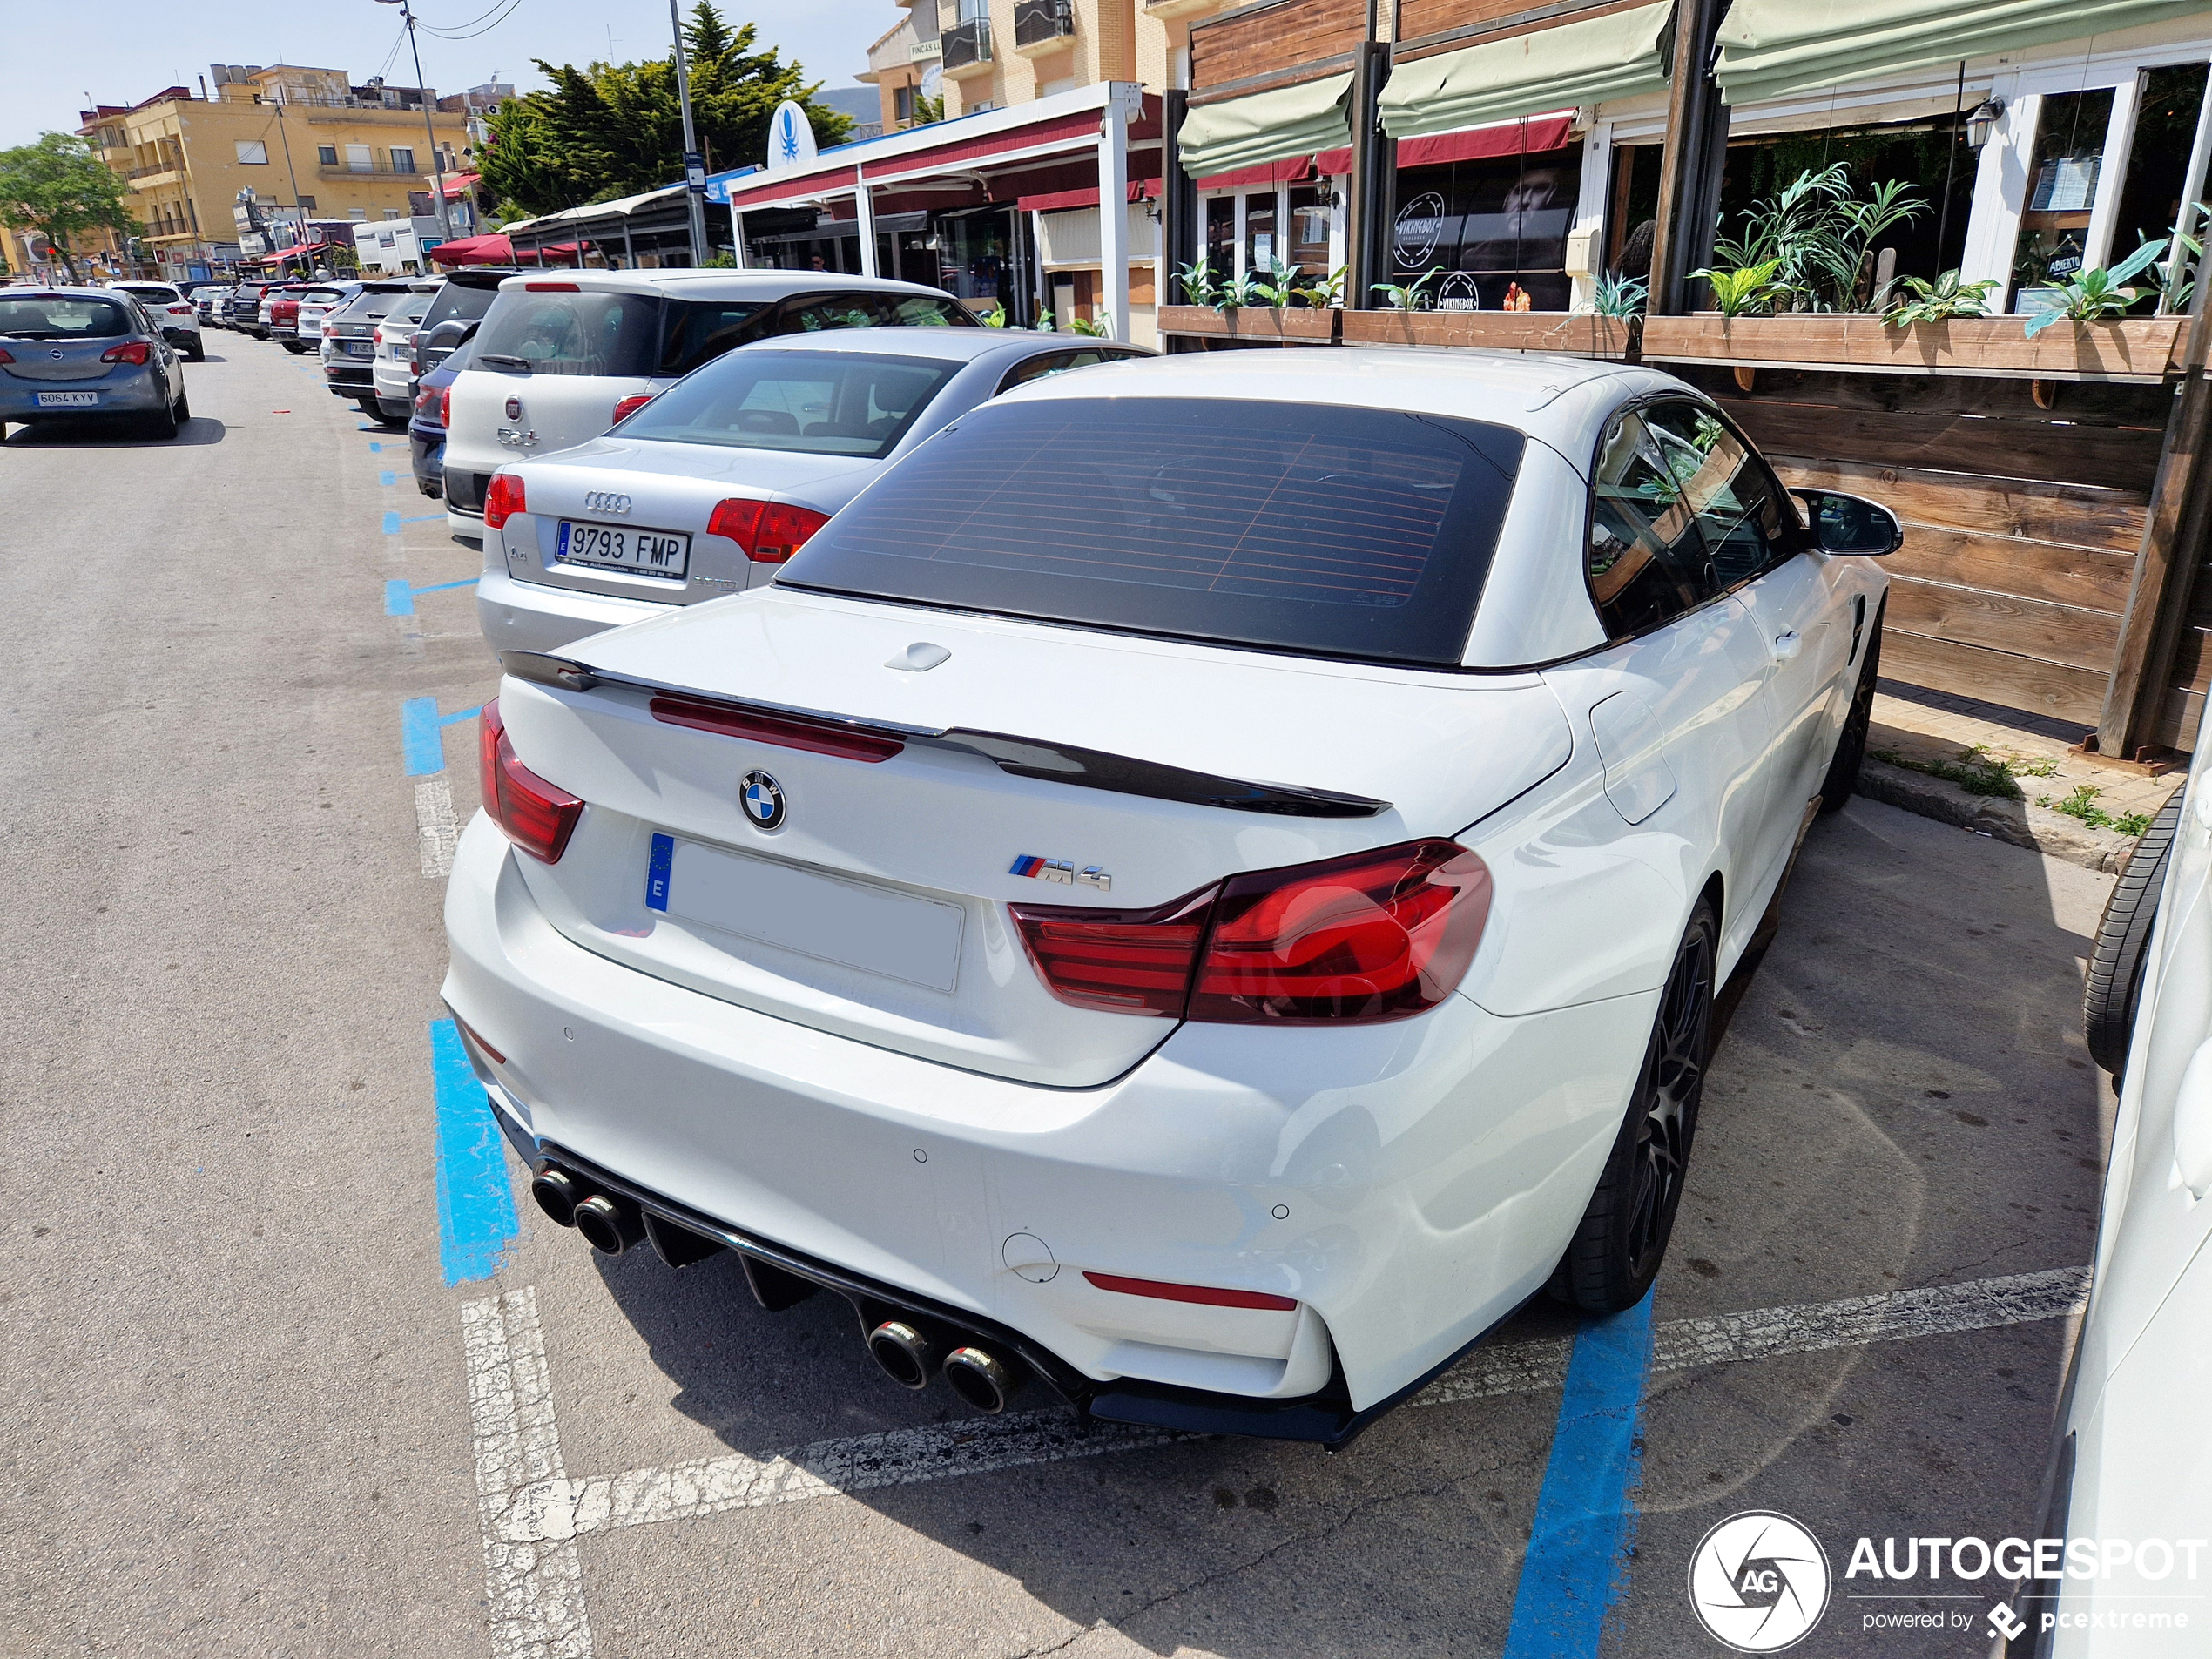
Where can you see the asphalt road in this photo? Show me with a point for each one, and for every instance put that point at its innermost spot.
(240, 1413)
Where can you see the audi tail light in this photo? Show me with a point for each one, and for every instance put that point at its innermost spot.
(504, 500)
(770, 532)
(131, 351)
(630, 406)
(1373, 936)
(538, 817)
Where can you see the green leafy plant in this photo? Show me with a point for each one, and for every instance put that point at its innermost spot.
(1615, 295)
(2176, 283)
(1098, 330)
(1324, 291)
(995, 318)
(1408, 296)
(1243, 292)
(1279, 285)
(1749, 291)
(1916, 299)
(1200, 286)
(1819, 235)
(2096, 294)
(1976, 770)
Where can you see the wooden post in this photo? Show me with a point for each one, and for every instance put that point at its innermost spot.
(2174, 541)
(1690, 163)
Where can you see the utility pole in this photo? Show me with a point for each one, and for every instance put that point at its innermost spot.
(293, 177)
(693, 193)
(437, 168)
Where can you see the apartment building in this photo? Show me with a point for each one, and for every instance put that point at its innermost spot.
(261, 149)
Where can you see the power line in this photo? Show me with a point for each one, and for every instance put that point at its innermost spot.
(467, 33)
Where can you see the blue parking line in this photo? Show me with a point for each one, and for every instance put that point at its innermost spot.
(388, 478)
(399, 597)
(393, 521)
(423, 745)
(1577, 1564)
(476, 1218)
(375, 448)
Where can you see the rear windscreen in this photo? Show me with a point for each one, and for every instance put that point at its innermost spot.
(62, 318)
(819, 403)
(614, 334)
(1308, 528)
(462, 300)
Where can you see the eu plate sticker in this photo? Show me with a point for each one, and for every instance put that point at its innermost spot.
(657, 873)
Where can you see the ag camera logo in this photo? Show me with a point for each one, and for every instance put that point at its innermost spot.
(1758, 1582)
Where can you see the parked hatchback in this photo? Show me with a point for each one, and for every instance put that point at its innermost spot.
(556, 355)
(707, 489)
(317, 303)
(214, 304)
(392, 364)
(72, 355)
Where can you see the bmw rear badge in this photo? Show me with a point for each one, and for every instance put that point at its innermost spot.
(763, 799)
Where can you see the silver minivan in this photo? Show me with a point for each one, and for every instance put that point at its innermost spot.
(561, 354)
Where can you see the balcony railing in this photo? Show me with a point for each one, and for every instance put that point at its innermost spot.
(1042, 23)
(377, 169)
(968, 45)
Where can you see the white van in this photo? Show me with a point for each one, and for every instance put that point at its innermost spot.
(558, 353)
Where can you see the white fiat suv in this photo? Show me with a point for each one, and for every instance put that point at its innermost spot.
(562, 356)
(1204, 885)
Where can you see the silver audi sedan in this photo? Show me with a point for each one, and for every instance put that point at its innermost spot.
(709, 486)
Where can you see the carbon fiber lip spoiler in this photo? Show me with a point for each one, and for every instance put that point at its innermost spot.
(1055, 763)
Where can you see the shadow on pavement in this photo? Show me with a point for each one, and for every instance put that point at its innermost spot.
(119, 434)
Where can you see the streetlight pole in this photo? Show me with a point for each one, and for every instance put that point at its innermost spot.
(283, 138)
(430, 131)
(691, 140)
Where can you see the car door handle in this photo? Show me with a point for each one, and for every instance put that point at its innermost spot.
(1786, 646)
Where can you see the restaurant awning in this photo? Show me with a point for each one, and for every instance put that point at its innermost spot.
(1261, 127)
(1782, 48)
(460, 185)
(1587, 62)
(1530, 135)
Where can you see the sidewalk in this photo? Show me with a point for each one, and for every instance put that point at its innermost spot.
(2006, 773)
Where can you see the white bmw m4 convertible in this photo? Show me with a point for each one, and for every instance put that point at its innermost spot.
(1204, 886)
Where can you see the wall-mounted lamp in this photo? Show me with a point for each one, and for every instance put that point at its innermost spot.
(1981, 121)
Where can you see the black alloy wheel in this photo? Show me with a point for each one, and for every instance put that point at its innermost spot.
(1836, 788)
(1616, 1249)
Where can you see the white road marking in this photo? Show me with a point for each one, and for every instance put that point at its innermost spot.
(535, 1588)
(553, 1509)
(435, 828)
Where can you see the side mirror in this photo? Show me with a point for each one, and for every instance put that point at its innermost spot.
(1851, 525)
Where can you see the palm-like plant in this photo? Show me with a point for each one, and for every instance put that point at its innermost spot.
(2099, 293)
(1200, 286)
(1748, 290)
(1324, 292)
(1408, 296)
(1819, 235)
(1279, 285)
(1615, 295)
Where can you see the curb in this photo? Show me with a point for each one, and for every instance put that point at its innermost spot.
(2037, 828)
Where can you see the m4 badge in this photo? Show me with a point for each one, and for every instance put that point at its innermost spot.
(1062, 871)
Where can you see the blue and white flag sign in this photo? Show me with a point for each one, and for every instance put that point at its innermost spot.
(791, 138)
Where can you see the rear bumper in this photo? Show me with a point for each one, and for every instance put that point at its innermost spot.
(1408, 1186)
(529, 616)
(138, 392)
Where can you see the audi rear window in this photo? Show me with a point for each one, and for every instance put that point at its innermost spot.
(1311, 529)
(819, 403)
(578, 333)
(64, 318)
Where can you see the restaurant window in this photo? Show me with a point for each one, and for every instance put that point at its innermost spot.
(975, 262)
(2063, 184)
(1494, 230)
(2151, 188)
(1221, 235)
(1261, 246)
(1309, 230)
(1633, 218)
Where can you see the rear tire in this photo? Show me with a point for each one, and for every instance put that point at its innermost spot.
(184, 408)
(163, 426)
(1838, 786)
(198, 353)
(2123, 941)
(1618, 1248)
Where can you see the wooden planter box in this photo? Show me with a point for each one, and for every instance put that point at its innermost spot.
(1525, 331)
(1291, 326)
(2142, 349)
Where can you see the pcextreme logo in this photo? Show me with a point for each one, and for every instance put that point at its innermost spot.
(1758, 1582)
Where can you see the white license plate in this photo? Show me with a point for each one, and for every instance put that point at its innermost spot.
(644, 552)
(848, 923)
(358, 347)
(69, 400)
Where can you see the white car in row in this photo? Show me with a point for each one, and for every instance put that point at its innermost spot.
(173, 312)
(1205, 884)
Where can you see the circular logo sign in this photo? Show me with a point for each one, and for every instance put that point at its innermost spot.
(1758, 1582)
(1421, 224)
(762, 800)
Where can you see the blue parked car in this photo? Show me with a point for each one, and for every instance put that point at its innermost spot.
(426, 425)
(72, 355)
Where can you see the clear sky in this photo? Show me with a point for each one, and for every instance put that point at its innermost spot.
(53, 57)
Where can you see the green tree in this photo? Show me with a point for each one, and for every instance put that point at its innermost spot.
(60, 189)
(613, 130)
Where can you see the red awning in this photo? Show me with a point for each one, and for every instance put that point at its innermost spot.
(1296, 170)
(492, 248)
(1059, 201)
(284, 253)
(460, 185)
(1529, 136)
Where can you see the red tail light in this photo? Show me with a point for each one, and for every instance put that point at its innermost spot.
(131, 352)
(504, 500)
(550, 287)
(4, 358)
(180, 311)
(424, 399)
(630, 406)
(1204, 1295)
(537, 816)
(785, 730)
(1374, 937)
(1121, 962)
(769, 531)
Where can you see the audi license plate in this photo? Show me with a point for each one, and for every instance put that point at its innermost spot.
(358, 347)
(69, 400)
(645, 552)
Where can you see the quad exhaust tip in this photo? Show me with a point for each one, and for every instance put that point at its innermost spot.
(980, 1378)
(907, 1356)
(609, 1226)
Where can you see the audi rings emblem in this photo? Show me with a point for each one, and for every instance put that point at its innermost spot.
(598, 501)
